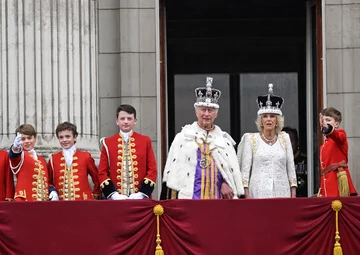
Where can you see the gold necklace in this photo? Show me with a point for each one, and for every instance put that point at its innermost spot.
(269, 141)
(205, 159)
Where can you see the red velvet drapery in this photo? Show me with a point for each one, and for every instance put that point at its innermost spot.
(269, 226)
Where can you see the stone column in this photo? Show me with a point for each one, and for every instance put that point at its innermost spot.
(48, 70)
(128, 66)
(342, 42)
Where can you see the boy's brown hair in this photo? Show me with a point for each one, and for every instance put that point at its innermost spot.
(26, 129)
(66, 126)
(126, 108)
(332, 112)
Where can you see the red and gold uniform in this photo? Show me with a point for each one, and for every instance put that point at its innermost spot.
(6, 178)
(72, 182)
(32, 177)
(128, 167)
(333, 162)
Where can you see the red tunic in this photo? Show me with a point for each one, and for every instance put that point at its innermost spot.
(142, 161)
(32, 178)
(334, 150)
(73, 183)
(6, 178)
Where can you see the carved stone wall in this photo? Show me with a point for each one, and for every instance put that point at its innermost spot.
(48, 70)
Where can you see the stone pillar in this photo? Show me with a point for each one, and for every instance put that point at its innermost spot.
(342, 40)
(128, 66)
(48, 70)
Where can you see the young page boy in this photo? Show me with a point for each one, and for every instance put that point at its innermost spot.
(70, 167)
(127, 168)
(30, 169)
(335, 179)
(6, 178)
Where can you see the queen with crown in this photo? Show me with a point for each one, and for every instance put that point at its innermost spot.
(266, 158)
(202, 162)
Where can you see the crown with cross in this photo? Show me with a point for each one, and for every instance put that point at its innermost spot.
(207, 96)
(270, 103)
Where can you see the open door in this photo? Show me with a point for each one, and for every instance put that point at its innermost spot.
(244, 45)
(163, 83)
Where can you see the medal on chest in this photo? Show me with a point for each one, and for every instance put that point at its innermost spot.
(205, 151)
(203, 163)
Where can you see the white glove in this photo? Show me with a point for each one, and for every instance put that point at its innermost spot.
(117, 196)
(138, 195)
(53, 196)
(17, 145)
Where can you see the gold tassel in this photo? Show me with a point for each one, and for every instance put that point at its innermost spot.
(336, 205)
(343, 184)
(158, 211)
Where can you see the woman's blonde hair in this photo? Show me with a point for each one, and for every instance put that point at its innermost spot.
(279, 123)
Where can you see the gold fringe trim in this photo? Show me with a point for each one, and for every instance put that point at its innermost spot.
(336, 205)
(343, 184)
(158, 211)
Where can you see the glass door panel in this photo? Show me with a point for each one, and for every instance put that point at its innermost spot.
(253, 85)
(184, 99)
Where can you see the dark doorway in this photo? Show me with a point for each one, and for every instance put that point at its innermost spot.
(244, 45)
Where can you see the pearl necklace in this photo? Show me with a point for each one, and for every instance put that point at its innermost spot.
(269, 141)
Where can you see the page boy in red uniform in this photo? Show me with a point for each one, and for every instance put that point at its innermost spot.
(335, 179)
(127, 168)
(6, 178)
(30, 169)
(70, 167)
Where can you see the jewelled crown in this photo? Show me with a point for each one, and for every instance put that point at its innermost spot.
(207, 96)
(269, 103)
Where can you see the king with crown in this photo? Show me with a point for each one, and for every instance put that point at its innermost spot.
(202, 162)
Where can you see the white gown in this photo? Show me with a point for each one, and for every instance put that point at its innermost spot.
(268, 170)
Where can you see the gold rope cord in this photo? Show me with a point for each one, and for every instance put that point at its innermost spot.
(336, 205)
(158, 211)
(207, 176)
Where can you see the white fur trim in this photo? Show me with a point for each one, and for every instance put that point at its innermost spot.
(180, 168)
(227, 136)
(269, 110)
(213, 105)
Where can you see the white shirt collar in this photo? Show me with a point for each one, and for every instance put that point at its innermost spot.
(33, 153)
(126, 135)
(68, 154)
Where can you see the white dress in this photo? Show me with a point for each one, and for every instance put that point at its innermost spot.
(268, 170)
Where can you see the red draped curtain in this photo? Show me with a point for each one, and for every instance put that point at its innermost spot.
(211, 227)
